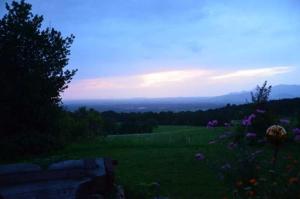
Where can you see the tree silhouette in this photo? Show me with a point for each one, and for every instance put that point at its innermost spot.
(261, 94)
(32, 74)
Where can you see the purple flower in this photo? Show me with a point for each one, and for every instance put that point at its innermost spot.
(247, 121)
(262, 141)
(284, 121)
(199, 156)
(223, 136)
(212, 123)
(297, 138)
(231, 145)
(226, 166)
(260, 111)
(296, 131)
(251, 135)
(226, 124)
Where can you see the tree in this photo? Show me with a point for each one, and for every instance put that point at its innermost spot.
(261, 94)
(32, 74)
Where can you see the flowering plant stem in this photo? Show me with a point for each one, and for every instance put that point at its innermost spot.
(275, 155)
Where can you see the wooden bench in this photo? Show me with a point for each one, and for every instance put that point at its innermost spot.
(70, 179)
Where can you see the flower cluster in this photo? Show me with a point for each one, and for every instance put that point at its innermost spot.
(251, 172)
(247, 121)
(212, 123)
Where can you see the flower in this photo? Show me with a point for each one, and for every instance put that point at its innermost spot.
(289, 167)
(227, 124)
(231, 145)
(284, 121)
(276, 134)
(223, 136)
(253, 181)
(261, 141)
(212, 123)
(296, 131)
(247, 121)
(212, 142)
(251, 135)
(226, 166)
(251, 193)
(297, 138)
(199, 156)
(293, 180)
(260, 111)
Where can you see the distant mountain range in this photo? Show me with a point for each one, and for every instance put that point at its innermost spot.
(278, 92)
(180, 103)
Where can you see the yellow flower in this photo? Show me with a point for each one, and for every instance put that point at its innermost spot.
(276, 134)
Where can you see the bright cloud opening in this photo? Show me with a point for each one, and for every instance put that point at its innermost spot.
(157, 79)
(261, 72)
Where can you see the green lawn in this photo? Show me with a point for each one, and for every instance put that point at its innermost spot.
(165, 156)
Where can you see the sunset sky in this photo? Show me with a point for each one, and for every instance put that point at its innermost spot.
(170, 48)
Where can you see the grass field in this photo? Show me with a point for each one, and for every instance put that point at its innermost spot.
(165, 156)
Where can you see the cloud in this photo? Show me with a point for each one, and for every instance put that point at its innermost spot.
(157, 79)
(260, 72)
(172, 83)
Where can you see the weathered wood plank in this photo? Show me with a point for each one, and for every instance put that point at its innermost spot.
(67, 179)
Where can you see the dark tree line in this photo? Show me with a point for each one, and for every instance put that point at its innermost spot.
(279, 108)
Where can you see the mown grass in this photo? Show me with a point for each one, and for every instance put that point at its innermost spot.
(165, 156)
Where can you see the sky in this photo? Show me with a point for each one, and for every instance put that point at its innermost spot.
(175, 48)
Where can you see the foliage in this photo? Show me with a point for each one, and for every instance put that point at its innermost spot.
(261, 94)
(115, 123)
(227, 114)
(88, 123)
(32, 77)
(256, 171)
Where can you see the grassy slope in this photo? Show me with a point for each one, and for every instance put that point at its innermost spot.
(165, 156)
